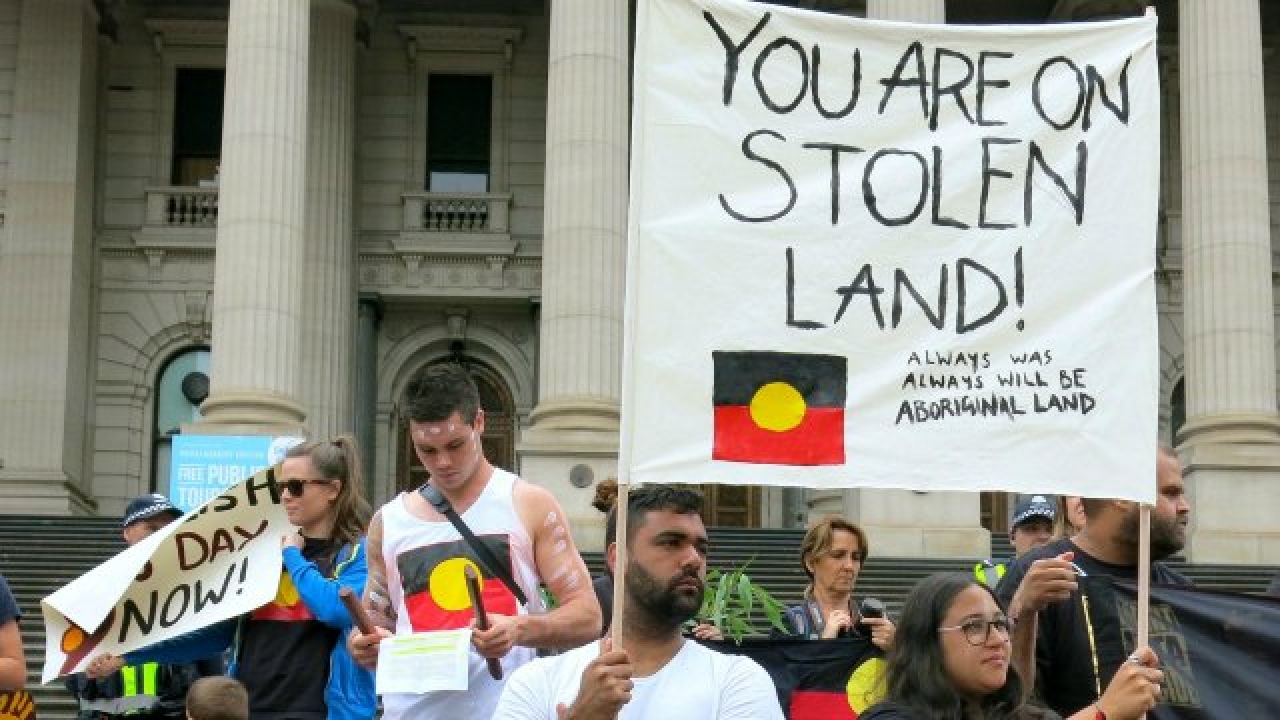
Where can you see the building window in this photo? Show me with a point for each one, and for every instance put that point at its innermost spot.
(459, 118)
(197, 125)
(184, 384)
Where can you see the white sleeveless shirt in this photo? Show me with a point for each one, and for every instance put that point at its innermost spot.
(425, 562)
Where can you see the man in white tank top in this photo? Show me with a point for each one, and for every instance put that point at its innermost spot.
(658, 674)
(416, 556)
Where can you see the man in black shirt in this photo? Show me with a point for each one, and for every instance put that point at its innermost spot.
(1043, 590)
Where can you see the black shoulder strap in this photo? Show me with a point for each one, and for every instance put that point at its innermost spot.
(488, 562)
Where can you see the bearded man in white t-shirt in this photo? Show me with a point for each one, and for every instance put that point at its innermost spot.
(658, 673)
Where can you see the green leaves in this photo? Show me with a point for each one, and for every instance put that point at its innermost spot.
(731, 601)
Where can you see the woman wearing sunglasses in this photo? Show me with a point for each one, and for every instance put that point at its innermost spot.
(290, 653)
(950, 661)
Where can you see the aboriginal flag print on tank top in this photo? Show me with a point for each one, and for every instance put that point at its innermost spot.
(435, 588)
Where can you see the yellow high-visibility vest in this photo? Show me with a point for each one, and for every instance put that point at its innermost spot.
(129, 674)
(989, 574)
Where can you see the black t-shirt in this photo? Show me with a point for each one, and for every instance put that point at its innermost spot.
(284, 655)
(8, 606)
(1065, 659)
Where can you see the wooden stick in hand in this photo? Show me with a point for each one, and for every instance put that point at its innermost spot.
(482, 620)
(356, 610)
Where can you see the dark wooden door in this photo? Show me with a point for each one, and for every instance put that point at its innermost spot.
(731, 505)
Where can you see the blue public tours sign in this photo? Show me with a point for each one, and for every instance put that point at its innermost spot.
(202, 466)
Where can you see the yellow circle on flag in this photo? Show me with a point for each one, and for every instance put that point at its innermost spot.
(866, 685)
(448, 583)
(777, 406)
(286, 592)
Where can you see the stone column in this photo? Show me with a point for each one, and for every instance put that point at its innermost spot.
(46, 262)
(584, 252)
(902, 523)
(1231, 441)
(920, 11)
(328, 280)
(257, 288)
(366, 401)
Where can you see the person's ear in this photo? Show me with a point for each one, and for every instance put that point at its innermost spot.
(478, 423)
(611, 556)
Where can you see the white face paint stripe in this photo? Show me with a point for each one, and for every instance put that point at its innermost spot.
(436, 430)
(573, 580)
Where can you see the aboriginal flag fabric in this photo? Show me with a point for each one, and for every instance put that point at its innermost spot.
(287, 606)
(776, 408)
(435, 584)
(1220, 651)
(817, 680)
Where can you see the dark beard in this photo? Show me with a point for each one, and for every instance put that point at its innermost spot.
(663, 605)
(1166, 538)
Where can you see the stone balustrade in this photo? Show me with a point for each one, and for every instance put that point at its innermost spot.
(456, 212)
(183, 207)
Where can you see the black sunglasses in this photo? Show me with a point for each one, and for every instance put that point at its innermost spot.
(295, 486)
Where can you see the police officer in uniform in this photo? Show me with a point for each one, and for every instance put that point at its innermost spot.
(1030, 526)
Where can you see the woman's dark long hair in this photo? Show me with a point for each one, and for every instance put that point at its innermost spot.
(916, 677)
(339, 459)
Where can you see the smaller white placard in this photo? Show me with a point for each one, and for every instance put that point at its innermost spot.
(424, 662)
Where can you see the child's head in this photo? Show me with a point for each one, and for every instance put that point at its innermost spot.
(217, 698)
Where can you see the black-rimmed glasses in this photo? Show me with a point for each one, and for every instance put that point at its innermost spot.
(296, 486)
(977, 630)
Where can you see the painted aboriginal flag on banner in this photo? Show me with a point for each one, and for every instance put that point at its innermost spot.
(435, 585)
(1220, 651)
(817, 679)
(779, 408)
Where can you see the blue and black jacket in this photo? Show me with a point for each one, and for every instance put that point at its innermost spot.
(349, 693)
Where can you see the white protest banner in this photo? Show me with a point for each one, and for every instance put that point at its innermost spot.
(218, 562)
(876, 254)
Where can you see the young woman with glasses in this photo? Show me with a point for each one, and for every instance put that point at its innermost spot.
(950, 661)
(290, 653)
